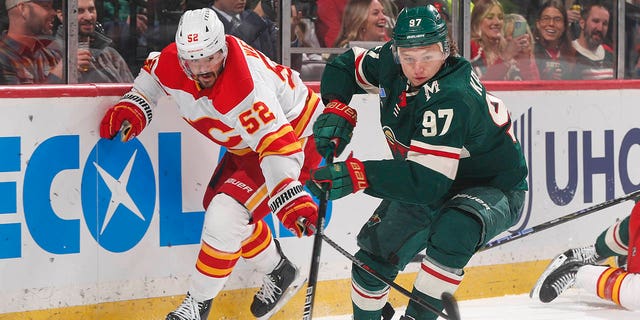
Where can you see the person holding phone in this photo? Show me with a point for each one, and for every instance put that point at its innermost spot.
(496, 54)
(518, 52)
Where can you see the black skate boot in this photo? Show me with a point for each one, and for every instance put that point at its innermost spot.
(275, 284)
(585, 255)
(190, 309)
(559, 280)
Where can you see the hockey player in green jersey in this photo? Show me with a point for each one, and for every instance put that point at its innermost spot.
(457, 177)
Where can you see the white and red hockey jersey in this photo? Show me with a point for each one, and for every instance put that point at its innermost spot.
(255, 105)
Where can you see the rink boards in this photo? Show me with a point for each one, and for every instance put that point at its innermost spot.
(64, 254)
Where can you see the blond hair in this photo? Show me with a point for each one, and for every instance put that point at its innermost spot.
(354, 18)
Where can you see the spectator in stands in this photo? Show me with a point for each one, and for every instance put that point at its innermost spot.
(330, 13)
(254, 26)
(97, 61)
(25, 57)
(495, 56)
(594, 60)
(363, 20)
(555, 55)
(518, 52)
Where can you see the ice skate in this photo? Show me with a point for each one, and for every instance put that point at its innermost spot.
(558, 281)
(277, 288)
(584, 255)
(190, 309)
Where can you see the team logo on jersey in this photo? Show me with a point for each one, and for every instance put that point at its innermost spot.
(118, 193)
(431, 88)
(397, 148)
(375, 219)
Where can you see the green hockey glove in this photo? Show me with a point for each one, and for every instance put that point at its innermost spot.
(333, 129)
(340, 178)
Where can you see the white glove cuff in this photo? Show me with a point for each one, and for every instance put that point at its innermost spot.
(287, 194)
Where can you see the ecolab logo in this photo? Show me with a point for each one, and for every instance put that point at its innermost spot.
(118, 192)
(116, 187)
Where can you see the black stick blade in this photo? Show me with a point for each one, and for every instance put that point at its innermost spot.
(388, 311)
(450, 306)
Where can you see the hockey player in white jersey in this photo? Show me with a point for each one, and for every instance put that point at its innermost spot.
(263, 114)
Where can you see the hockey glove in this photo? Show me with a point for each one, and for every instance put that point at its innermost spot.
(340, 178)
(295, 208)
(333, 129)
(123, 112)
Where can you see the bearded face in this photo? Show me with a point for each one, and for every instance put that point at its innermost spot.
(595, 27)
(39, 18)
(87, 18)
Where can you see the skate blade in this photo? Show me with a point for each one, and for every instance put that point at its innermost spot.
(295, 286)
(553, 265)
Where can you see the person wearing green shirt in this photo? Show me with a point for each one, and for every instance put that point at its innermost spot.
(457, 177)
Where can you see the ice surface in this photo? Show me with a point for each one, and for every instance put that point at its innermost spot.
(571, 305)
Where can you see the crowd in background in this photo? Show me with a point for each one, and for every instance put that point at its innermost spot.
(510, 39)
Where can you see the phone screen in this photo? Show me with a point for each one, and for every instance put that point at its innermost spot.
(519, 28)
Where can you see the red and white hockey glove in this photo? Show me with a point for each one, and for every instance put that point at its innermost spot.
(126, 116)
(340, 178)
(295, 208)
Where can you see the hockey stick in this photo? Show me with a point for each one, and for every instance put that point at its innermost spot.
(448, 301)
(315, 254)
(124, 130)
(560, 220)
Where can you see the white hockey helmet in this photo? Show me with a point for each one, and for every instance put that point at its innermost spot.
(200, 34)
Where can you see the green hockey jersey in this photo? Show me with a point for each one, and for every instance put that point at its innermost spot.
(445, 136)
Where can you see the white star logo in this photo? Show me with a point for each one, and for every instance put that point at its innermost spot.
(119, 194)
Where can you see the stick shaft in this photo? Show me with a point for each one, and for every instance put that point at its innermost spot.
(315, 254)
(560, 220)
